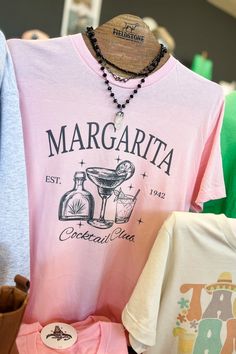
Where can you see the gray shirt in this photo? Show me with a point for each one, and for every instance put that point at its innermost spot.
(14, 224)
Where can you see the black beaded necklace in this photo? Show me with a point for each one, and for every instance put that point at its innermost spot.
(119, 116)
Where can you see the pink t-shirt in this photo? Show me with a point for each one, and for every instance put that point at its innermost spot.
(97, 195)
(96, 335)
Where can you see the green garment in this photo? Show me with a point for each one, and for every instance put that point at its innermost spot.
(227, 205)
(202, 66)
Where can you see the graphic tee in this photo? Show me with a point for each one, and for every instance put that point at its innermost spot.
(98, 195)
(228, 150)
(96, 335)
(185, 298)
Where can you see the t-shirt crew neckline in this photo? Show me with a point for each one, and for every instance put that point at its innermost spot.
(84, 53)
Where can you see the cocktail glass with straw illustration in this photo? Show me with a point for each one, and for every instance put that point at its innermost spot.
(124, 206)
(106, 181)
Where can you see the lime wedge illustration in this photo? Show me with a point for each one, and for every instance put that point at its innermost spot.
(119, 194)
(125, 168)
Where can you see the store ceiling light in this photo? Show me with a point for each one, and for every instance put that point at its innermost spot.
(228, 6)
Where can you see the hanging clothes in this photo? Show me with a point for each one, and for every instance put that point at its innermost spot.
(184, 301)
(14, 223)
(95, 335)
(227, 205)
(98, 195)
(202, 65)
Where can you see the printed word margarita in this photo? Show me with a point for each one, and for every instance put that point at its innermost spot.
(139, 143)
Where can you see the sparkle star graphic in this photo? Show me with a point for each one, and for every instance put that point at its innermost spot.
(118, 159)
(130, 187)
(82, 163)
(144, 174)
(140, 221)
(80, 224)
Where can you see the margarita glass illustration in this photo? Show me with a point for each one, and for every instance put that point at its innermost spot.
(106, 181)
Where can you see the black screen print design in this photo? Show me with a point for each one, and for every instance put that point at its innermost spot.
(78, 203)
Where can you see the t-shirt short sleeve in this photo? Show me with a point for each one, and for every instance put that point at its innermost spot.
(210, 180)
(140, 314)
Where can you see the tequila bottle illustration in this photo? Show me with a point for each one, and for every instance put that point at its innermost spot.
(77, 204)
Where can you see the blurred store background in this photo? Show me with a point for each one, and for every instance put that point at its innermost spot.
(198, 27)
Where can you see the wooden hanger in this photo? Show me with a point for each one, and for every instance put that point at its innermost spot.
(127, 42)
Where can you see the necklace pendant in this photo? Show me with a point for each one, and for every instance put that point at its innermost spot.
(118, 119)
